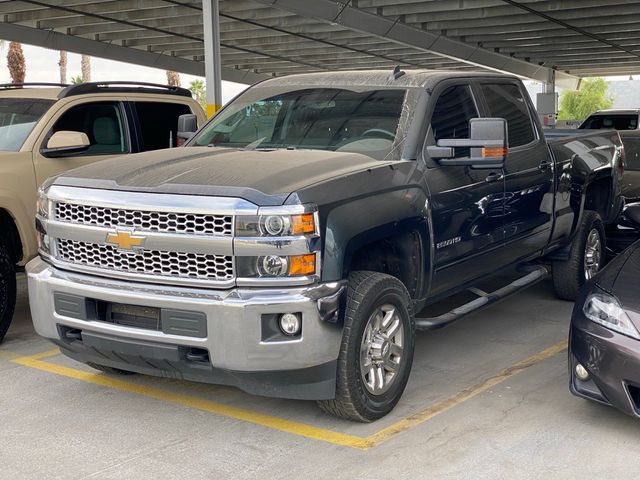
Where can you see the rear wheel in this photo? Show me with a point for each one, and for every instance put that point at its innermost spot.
(110, 370)
(7, 289)
(377, 348)
(586, 258)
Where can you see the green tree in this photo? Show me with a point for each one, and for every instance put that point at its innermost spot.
(77, 80)
(199, 92)
(579, 104)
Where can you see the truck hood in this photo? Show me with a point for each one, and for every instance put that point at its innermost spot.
(261, 177)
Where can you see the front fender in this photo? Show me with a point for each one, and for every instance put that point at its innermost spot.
(360, 222)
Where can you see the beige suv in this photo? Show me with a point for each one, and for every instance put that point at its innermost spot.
(46, 129)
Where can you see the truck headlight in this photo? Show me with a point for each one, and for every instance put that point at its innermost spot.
(275, 225)
(43, 203)
(277, 266)
(606, 310)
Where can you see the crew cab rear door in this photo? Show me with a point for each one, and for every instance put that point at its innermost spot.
(466, 203)
(528, 172)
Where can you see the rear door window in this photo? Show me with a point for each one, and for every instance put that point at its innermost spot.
(506, 100)
(158, 123)
(103, 124)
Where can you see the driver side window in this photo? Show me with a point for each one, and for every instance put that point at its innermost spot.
(103, 124)
(450, 119)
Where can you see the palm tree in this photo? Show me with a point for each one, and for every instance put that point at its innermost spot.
(85, 65)
(63, 66)
(16, 63)
(173, 78)
(199, 92)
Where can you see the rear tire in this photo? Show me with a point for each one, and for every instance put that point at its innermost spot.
(377, 346)
(110, 370)
(8, 289)
(586, 257)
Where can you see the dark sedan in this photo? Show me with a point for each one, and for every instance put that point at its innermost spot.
(604, 341)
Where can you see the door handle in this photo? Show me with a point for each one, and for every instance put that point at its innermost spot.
(493, 177)
(544, 165)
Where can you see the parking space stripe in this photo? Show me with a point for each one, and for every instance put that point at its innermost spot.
(276, 423)
(447, 404)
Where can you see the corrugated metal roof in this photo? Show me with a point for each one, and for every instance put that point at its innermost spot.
(276, 37)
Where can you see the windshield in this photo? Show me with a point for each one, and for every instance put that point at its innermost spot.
(18, 116)
(617, 122)
(318, 118)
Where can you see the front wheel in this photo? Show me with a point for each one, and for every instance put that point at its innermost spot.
(586, 257)
(377, 348)
(8, 290)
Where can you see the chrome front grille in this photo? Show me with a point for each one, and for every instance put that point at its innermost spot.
(145, 221)
(191, 266)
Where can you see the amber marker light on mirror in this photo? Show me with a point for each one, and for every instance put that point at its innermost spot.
(489, 152)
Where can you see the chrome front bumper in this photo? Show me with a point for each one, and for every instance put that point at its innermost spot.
(238, 352)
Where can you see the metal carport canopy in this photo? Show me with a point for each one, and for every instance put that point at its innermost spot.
(536, 39)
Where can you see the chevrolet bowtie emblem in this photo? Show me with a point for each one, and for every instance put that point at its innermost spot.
(125, 240)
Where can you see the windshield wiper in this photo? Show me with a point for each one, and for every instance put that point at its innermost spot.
(255, 144)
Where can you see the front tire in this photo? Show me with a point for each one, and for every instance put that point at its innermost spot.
(377, 347)
(586, 258)
(8, 290)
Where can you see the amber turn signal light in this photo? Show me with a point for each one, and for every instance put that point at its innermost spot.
(488, 152)
(302, 265)
(302, 224)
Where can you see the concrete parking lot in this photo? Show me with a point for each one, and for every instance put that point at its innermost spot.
(487, 398)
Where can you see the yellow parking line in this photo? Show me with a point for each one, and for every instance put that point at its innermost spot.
(276, 423)
(42, 355)
(447, 404)
(5, 354)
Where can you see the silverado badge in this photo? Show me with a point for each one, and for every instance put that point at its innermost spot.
(125, 240)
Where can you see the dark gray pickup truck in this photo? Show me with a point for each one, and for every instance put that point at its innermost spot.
(298, 241)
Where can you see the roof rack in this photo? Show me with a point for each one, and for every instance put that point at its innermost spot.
(122, 87)
(9, 86)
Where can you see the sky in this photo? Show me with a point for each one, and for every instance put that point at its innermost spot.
(42, 66)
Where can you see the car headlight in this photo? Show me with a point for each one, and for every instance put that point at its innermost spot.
(277, 266)
(606, 310)
(43, 204)
(275, 225)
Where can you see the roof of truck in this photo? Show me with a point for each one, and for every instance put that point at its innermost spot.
(41, 93)
(381, 78)
(53, 91)
(618, 111)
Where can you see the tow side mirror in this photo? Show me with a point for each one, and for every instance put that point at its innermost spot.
(66, 142)
(631, 216)
(487, 142)
(187, 126)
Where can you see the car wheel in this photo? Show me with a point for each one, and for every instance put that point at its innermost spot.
(110, 370)
(377, 346)
(7, 290)
(586, 258)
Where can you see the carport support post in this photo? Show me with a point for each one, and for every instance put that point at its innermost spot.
(212, 67)
(547, 102)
